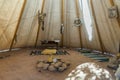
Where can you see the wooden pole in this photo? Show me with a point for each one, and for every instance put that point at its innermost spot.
(96, 24)
(119, 47)
(17, 25)
(62, 20)
(77, 13)
(118, 19)
(112, 2)
(39, 25)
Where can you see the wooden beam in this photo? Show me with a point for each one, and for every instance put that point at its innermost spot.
(17, 25)
(62, 20)
(78, 16)
(39, 25)
(96, 24)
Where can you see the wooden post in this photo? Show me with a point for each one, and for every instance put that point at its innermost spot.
(39, 25)
(62, 20)
(96, 24)
(77, 13)
(17, 25)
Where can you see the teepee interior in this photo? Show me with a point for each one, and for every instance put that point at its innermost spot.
(59, 39)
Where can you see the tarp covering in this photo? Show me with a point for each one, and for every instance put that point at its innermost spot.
(27, 30)
(9, 15)
(109, 29)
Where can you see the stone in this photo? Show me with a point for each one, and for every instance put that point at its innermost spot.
(64, 66)
(52, 68)
(113, 63)
(58, 64)
(40, 65)
(61, 69)
(45, 66)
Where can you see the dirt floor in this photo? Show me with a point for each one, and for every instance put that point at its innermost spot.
(21, 66)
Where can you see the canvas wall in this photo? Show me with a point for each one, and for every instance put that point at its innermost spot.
(9, 15)
(109, 29)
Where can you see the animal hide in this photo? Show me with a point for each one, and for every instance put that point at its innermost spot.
(89, 71)
(112, 12)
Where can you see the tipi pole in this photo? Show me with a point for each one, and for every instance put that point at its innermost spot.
(17, 25)
(77, 13)
(118, 20)
(38, 31)
(62, 20)
(98, 32)
(112, 2)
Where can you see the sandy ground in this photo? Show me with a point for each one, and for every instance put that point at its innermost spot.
(21, 66)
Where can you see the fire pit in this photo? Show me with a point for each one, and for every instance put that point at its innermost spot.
(55, 65)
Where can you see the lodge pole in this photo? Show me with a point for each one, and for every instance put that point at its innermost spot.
(17, 25)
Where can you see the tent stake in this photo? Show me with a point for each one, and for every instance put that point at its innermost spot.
(39, 24)
(17, 25)
(77, 13)
(96, 24)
